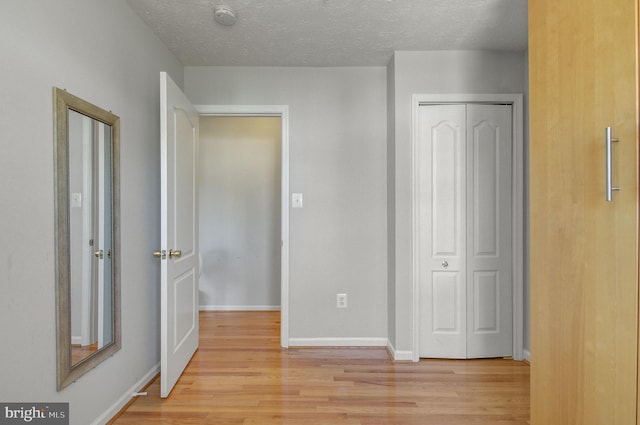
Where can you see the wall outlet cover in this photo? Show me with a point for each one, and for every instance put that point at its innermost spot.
(341, 300)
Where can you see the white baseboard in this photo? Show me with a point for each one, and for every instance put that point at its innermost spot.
(527, 355)
(76, 340)
(126, 397)
(239, 308)
(337, 342)
(399, 356)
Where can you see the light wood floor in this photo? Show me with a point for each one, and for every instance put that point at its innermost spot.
(240, 375)
(79, 352)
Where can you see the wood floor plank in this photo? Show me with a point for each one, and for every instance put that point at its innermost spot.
(241, 376)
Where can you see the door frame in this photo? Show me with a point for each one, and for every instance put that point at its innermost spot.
(281, 111)
(517, 210)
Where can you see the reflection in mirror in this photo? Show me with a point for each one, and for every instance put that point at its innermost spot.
(90, 234)
(87, 227)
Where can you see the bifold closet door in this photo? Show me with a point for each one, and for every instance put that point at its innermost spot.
(489, 231)
(443, 294)
(465, 230)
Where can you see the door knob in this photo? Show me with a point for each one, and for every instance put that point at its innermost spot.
(173, 253)
(99, 254)
(445, 264)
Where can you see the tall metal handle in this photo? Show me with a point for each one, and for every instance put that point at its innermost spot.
(609, 188)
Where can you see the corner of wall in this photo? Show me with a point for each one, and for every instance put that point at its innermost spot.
(391, 204)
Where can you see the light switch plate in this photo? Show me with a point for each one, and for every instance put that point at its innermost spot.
(76, 200)
(296, 200)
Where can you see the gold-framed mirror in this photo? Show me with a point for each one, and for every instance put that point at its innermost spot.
(87, 195)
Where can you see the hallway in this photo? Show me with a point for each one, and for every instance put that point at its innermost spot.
(240, 375)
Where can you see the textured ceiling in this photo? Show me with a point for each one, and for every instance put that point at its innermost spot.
(331, 32)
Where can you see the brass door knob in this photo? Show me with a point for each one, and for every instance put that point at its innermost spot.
(175, 253)
(99, 254)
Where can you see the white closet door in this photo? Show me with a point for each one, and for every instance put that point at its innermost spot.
(489, 230)
(442, 211)
(465, 231)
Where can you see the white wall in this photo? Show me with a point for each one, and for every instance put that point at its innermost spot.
(101, 51)
(240, 204)
(338, 241)
(424, 73)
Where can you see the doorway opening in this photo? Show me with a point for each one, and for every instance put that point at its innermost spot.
(257, 207)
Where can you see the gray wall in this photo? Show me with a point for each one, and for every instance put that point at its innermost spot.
(240, 204)
(98, 50)
(391, 213)
(338, 241)
(422, 73)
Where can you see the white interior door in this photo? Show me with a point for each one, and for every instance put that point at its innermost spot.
(489, 224)
(465, 225)
(443, 268)
(89, 245)
(179, 233)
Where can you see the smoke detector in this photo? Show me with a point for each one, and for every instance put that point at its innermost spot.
(224, 15)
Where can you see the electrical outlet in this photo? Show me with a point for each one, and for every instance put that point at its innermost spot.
(341, 300)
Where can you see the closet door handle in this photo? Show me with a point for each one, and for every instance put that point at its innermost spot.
(609, 187)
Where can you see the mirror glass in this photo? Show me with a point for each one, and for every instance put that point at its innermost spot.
(87, 227)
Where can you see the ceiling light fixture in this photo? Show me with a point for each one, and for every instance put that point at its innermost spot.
(225, 15)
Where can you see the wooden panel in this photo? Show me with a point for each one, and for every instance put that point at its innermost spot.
(584, 257)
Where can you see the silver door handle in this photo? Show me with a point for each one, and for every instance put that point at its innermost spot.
(609, 187)
(445, 264)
